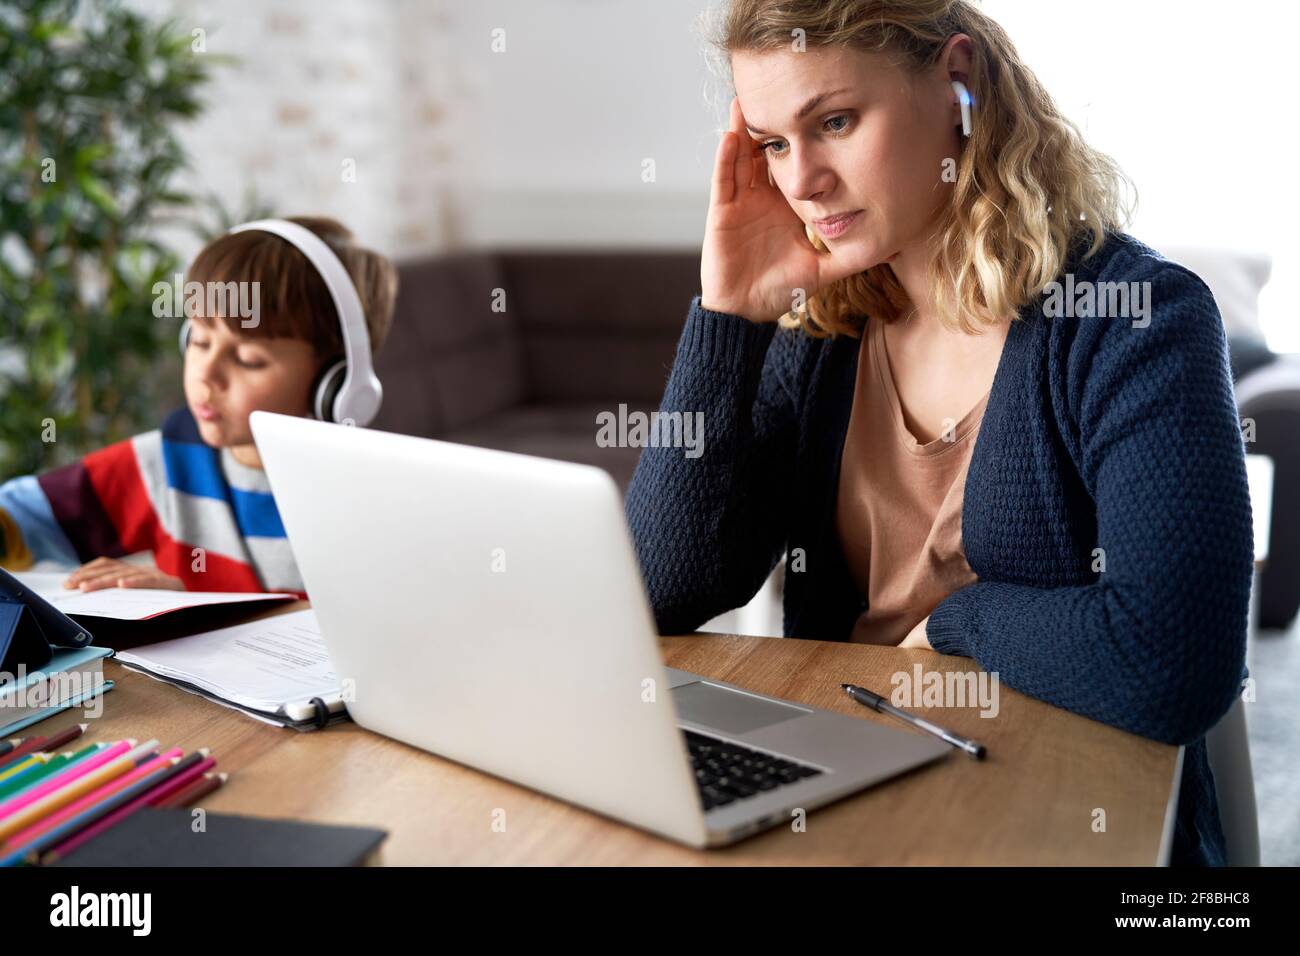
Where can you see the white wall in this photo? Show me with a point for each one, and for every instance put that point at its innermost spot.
(324, 87)
(1193, 98)
(566, 117)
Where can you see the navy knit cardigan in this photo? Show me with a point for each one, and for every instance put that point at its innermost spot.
(1097, 434)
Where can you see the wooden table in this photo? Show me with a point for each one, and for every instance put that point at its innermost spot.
(1031, 802)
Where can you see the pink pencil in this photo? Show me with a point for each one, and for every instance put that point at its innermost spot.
(61, 779)
(107, 790)
(179, 782)
(117, 816)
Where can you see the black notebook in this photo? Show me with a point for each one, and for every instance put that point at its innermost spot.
(164, 837)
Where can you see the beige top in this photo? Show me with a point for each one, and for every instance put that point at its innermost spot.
(898, 506)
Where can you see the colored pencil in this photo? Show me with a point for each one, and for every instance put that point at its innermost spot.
(96, 796)
(31, 852)
(196, 791)
(14, 785)
(14, 747)
(112, 819)
(60, 798)
(24, 778)
(183, 780)
(67, 735)
(67, 776)
(24, 765)
(28, 745)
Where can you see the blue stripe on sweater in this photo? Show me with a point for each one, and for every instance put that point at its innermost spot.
(195, 469)
(256, 513)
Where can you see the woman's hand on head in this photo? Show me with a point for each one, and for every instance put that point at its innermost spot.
(756, 256)
(112, 573)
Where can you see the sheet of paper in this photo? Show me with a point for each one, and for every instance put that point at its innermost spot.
(45, 583)
(131, 604)
(264, 664)
(272, 721)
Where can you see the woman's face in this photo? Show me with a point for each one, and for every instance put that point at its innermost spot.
(876, 145)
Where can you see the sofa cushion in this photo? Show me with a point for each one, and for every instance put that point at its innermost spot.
(600, 326)
(450, 359)
(1235, 277)
(563, 430)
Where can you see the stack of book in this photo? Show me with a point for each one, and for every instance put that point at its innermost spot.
(73, 677)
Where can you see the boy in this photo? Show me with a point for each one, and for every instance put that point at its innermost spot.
(193, 492)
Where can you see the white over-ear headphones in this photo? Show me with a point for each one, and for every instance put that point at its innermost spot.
(347, 391)
(963, 97)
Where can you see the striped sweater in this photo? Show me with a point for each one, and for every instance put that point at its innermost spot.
(207, 519)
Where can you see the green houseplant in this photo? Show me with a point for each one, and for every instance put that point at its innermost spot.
(89, 97)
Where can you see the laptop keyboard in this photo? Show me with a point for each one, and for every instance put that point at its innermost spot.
(725, 773)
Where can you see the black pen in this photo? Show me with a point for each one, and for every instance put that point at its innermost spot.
(876, 702)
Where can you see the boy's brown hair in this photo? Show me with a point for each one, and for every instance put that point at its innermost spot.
(293, 301)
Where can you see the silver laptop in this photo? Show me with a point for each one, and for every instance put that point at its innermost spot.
(488, 607)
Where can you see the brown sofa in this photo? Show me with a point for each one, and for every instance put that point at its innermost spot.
(580, 333)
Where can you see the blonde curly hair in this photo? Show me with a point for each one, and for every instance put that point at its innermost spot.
(1028, 187)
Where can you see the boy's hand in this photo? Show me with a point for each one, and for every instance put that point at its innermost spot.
(112, 573)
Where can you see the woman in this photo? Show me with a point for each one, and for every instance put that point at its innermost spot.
(974, 415)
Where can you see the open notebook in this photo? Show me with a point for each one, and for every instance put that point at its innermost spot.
(132, 604)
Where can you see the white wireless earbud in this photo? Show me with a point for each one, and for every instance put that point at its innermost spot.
(963, 97)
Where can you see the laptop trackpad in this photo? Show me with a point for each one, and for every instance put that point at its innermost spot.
(729, 711)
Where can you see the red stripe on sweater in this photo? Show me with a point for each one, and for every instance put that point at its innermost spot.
(115, 475)
(219, 573)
